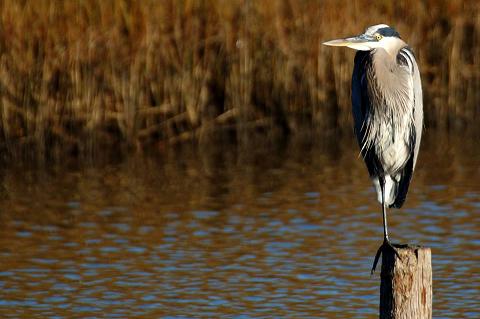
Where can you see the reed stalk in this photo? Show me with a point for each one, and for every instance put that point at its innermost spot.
(79, 75)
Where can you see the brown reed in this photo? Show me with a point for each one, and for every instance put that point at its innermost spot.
(83, 75)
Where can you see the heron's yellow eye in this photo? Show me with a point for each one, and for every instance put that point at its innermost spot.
(378, 36)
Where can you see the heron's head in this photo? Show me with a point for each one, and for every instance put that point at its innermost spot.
(377, 36)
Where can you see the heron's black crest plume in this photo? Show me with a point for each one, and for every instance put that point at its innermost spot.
(388, 32)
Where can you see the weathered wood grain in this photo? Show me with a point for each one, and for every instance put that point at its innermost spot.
(406, 283)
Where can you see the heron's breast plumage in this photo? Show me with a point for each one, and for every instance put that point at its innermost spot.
(390, 120)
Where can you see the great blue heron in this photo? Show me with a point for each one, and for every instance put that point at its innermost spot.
(388, 113)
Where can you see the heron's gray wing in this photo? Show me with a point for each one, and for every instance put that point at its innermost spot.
(418, 110)
(361, 105)
(416, 91)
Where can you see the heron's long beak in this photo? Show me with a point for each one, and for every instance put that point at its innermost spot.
(361, 42)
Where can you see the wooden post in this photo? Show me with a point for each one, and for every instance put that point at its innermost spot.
(406, 283)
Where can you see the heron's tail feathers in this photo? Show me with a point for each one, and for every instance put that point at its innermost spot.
(403, 184)
(396, 186)
(401, 194)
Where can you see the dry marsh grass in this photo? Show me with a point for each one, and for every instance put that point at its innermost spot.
(88, 74)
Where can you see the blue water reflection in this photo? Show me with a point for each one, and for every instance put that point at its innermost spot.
(296, 241)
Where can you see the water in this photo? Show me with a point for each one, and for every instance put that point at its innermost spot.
(272, 231)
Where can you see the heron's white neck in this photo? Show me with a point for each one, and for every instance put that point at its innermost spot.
(391, 45)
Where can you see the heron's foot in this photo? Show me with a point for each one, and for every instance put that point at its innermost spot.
(386, 246)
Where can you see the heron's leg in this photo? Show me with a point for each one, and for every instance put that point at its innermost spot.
(384, 211)
(386, 241)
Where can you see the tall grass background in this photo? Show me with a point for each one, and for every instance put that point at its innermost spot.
(86, 75)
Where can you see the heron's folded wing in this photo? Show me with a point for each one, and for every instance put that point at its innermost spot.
(414, 143)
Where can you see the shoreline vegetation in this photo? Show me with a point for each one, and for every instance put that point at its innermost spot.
(77, 77)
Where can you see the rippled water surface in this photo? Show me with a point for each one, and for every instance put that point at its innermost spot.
(272, 231)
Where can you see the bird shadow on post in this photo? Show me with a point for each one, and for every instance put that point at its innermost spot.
(406, 283)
